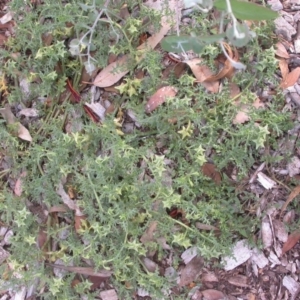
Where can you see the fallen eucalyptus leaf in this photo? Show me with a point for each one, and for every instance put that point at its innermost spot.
(10, 119)
(159, 97)
(83, 270)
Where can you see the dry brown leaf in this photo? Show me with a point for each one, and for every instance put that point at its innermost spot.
(290, 79)
(202, 226)
(242, 115)
(251, 296)
(109, 295)
(284, 68)
(295, 192)
(47, 39)
(10, 119)
(6, 18)
(72, 204)
(201, 73)
(258, 104)
(291, 241)
(228, 69)
(75, 282)
(3, 39)
(178, 70)
(234, 90)
(96, 282)
(191, 271)
(211, 294)
(159, 97)
(78, 222)
(23, 133)
(150, 265)
(83, 270)
(222, 73)
(18, 186)
(209, 170)
(281, 51)
(107, 77)
(42, 237)
(148, 235)
(58, 208)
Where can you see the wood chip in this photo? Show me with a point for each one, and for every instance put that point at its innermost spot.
(292, 285)
(209, 277)
(240, 254)
(265, 181)
(238, 280)
(211, 294)
(266, 232)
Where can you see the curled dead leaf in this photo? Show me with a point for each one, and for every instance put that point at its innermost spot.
(291, 241)
(281, 51)
(295, 192)
(159, 97)
(202, 72)
(228, 69)
(284, 68)
(290, 79)
(10, 119)
(209, 170)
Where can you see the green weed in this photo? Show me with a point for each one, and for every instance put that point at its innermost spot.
(124, 183)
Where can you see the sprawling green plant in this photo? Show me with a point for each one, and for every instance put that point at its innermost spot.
(123, 183)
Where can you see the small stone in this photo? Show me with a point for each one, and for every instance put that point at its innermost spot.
(275, 5)
(294, 166)
(297, 46)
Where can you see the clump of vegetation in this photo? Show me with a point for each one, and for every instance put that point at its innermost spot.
(113, 198)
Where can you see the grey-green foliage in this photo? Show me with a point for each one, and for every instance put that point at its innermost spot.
(238, 34)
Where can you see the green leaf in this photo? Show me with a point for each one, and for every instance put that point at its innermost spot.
(238, 41)
(177, 43)
(186, 43)
(211, 38)
(246, 10)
